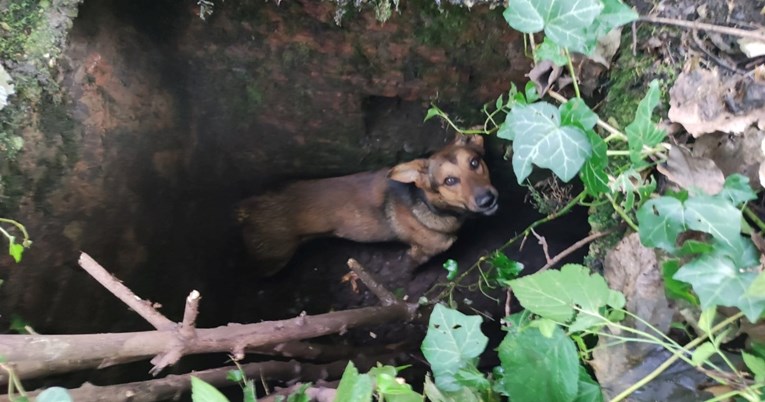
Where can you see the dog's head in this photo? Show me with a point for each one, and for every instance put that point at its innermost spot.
(454, 179)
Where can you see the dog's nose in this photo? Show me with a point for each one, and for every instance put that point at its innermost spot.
(486, 200)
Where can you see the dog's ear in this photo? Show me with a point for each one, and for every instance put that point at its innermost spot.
(415, 172)
(471, 141)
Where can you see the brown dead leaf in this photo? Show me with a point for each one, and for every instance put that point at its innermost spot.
(692, 172)
(633, 270)
(703, 103)
(544, 75)
(734, 154)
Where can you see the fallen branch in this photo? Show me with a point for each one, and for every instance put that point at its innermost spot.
(386, 297)
(576, 246)
(172, 386)
(140, 306)
(741, 33)
(26, 352)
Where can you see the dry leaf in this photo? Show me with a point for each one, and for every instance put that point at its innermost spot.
(703, 104)
(734, 154)
(692, 172)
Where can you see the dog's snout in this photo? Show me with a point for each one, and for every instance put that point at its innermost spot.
(486, 200)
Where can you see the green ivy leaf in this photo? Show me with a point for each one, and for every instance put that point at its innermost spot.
(531, 92)
(54, 394)
(541, 140)
(614, 14)
(593, 173)
(547, 50)
(453, 341)
(537, 368)
(756, 366)
(576, 113)
(642, 132)
(248, 391)
(737, 189)
(234, 376)
(714, 216)
(660, 221)
(433, 112)
(15, 250)
(354, 386)
(204, 392)
(718, 282)
(563, 21)
(299, 394)
(589, 390)
(506, 269)
(757, 288)
(394, 391)
(676, 289)
(554, 294)
(694, 247)
(451, 267)
(472, 378)
(702, 353)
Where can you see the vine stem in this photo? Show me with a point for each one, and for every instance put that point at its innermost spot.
(756, 219)
(572, 72)
(613, 132)
(18, 225)
(555, 215)
(623, 214)
(676, 355)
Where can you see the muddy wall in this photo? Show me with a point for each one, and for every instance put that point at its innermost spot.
(162, 121)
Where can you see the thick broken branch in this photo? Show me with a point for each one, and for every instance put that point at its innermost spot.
(172, 386)
(25, 352)
(140, 306)
(386, 297)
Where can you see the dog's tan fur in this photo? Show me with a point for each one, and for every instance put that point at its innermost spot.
(422, 203)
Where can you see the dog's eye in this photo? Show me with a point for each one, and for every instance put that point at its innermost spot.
(474, 163)
(451, 180)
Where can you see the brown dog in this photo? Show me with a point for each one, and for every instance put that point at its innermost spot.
(422, 203)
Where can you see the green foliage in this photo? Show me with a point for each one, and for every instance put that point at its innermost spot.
(505, 269)
(204, 392)
(354, 386)
(451, 267)
(452, 344)
(720, 274)
(572, 25)
(642, 133)
(54, 394)
(571, 295)
(539, 368)
(540, 137)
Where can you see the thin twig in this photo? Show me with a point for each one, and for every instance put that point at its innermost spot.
(386, 297)
(542, 242)
(742, 33)
(576, 246)
(140, 306)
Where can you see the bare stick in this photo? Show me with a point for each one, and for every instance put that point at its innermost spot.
(25, 352)
(173, 385)
(542, 242)
(576, 246)
(140, 306)
(742, 33)
(386, 297)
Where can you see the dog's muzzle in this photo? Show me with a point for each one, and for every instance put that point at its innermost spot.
(487, 202)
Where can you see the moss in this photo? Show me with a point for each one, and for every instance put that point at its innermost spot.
(32, 35)
(439, 26)
(629, 79)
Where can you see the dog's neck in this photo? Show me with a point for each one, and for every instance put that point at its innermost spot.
(433, 218)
